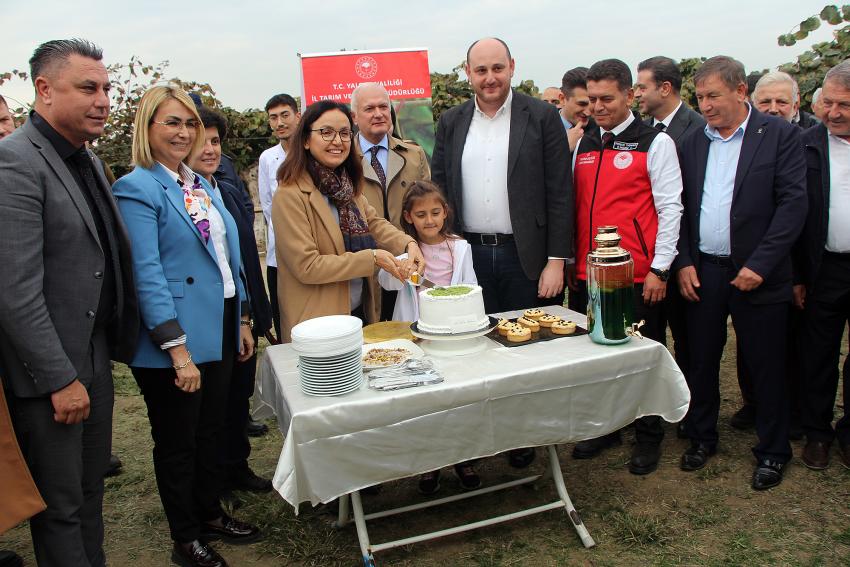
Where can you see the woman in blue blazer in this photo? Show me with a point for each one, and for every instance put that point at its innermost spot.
(195, 319)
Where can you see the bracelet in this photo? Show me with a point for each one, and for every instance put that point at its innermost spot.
(185, 364)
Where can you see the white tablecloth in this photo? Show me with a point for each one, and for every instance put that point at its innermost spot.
(504, 398)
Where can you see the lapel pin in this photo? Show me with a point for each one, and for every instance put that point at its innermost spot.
(760, 130)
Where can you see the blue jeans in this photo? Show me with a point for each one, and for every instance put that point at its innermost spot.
(500, 275)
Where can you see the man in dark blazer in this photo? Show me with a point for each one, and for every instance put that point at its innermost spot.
(503, 161)
(68, 304)
(657, 91)
(745, 202)
(822, 273)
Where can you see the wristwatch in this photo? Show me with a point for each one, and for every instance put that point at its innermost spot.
(662, 275)
(249, 323)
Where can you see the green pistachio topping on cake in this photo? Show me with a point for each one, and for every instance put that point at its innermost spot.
(448, 291)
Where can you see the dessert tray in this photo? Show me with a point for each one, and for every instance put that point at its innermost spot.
(389, 354)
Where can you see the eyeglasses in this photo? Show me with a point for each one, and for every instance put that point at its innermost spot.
(328, 134)
(177, 125)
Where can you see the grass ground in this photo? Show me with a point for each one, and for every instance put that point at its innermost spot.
(711, 517)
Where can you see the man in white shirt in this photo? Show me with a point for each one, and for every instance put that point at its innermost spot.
(626, 174)
(822, 272)
(502, 159)
(283, 116)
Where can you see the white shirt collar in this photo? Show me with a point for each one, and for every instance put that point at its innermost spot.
(669, 118)
(714, 135)
(184, 173)
(618, 129)
(504, 109)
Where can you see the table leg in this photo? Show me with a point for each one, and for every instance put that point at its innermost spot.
(555, 467)
(344, 516)
(362, 534)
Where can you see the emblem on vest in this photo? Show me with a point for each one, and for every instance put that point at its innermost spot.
(623, 160)
(628, 146)
(586, 159)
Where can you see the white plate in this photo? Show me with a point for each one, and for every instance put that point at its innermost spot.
(326, 328)
(340, 388)
(410, 346)
(330, 371)
(340, 392)
(337, 360)
(326, 383)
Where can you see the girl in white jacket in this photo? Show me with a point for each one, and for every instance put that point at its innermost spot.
(426, 216)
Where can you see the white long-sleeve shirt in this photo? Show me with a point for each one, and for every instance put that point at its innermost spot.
(270, 161)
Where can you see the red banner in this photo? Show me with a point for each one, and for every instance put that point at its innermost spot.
(404, 73)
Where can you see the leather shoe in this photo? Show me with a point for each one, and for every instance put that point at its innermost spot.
(592, 447)
(10, 559)
(767, 474)
(429, 482)
(246, 479)
(645, 457)
(256, 428)
(521, 458)
(231, 531)
(696, 456)
(680, 430)
(844, 451)
(816, 455)
(744, 418)
(469, 479)
(114, 468)
(196, 554)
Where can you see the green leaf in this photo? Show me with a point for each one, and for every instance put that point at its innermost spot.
(801, 34)
(829, 13)
(810, 24)
(845, 12)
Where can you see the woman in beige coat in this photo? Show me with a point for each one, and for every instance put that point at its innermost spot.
(329, 240)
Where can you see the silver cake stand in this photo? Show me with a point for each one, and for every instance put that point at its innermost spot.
(454, 344)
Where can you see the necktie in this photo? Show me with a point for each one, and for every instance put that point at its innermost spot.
(660, 127)
(376, 165)
(606, 139)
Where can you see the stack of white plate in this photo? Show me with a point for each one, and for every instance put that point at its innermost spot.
(330, 354)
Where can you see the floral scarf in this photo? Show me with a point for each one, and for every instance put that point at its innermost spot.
(336, 186)
(198, 204)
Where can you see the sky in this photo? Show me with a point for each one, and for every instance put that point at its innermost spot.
(247, 49)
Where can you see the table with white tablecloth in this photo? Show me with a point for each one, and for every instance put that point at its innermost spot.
(545, 393)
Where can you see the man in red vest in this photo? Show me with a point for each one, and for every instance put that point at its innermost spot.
(626, 173)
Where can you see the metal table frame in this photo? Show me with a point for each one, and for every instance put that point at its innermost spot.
(351, 509)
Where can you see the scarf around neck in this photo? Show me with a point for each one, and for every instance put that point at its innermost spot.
(336, 185)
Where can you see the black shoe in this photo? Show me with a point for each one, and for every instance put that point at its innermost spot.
(767, 474)
(231, 531)
(114, 468)
(256, 428)
(10, 559)
(696, 456)
(246, 479)
(592, 447)
(469, 479)
(521, 458)
(196, 554)
(680, 430)
(645, 457)
(429, 482)
(744, 418)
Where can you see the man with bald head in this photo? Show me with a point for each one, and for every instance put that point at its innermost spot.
(552, 95)
(503, 160)
(390, 165)
(7, 121)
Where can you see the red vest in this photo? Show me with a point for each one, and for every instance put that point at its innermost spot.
(612, 187)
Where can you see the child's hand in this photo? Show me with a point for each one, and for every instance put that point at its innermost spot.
(389, 264)
(415, 257)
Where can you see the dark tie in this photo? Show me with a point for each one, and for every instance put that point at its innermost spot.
(376, 165)
(606, 139)
(660, 127)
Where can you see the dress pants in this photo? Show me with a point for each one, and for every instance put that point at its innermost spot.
(187, 432)
(68, 463)
(762, 329)
(502, 279)
(271, 281)
(674, 309)
(827, 312)
(237, 447)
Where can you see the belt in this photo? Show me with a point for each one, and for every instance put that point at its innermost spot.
(725, 261)
(488, 239)
(836, 255)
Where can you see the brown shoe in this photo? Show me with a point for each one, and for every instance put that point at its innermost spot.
(816, 455)
(844, 451)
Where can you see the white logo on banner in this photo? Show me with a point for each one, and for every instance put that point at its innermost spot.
(366, 67)
(623, 160)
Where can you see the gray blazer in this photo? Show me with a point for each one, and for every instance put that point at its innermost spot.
(540, 188)
(50, 266)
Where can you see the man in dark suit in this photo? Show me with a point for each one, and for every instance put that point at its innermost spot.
(503, 161)
(68, 304)
(745, 202)
(657, 91)
(822, 272)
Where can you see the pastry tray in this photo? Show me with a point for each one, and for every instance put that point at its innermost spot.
(544, 334)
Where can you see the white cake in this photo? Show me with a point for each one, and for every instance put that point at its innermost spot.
(452, 309)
